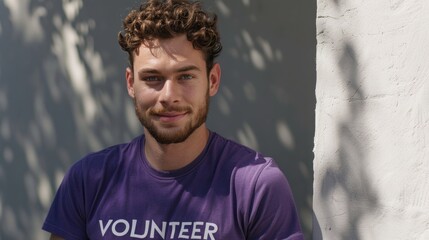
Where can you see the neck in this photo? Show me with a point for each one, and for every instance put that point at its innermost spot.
(168, 157)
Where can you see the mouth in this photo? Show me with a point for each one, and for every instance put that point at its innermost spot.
(169, 117)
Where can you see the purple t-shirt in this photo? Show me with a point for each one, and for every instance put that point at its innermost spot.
(229, 192)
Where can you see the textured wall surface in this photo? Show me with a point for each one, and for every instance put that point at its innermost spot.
(63, 94)
(372, 120)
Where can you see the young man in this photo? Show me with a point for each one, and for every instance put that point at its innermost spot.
(178, 180)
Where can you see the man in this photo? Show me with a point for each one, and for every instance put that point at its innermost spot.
(178, 180)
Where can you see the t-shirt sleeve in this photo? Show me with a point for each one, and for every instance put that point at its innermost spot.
(273, 214)
(66, 217)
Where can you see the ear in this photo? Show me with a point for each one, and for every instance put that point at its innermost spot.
(214, 79)
(129, 76)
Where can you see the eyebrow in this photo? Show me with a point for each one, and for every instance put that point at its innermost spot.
(188, 68)
(181, 69)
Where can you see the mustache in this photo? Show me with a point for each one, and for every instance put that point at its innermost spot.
(158, 111)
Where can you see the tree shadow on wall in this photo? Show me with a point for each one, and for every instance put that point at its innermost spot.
(61, 97)
(347, 193)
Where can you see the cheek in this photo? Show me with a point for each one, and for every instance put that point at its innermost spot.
(194, 98)
(196, 94)
(145, 99)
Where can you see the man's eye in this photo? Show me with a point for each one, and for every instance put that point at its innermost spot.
(186, 77)
(151, 79)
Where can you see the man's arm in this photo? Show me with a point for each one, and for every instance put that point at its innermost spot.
(65, 217)
(55, 237)
(273, 214)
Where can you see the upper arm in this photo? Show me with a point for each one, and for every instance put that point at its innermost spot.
(273, 214)
(55, 237)
(66, 216)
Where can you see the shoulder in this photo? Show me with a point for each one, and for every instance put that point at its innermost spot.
(250, 166)
(239, 153)
(262, 192)
(224, 147)
(108, 159)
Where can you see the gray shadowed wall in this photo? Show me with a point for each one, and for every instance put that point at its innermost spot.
(62, 94)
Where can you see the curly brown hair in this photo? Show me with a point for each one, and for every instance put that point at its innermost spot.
(163, 19)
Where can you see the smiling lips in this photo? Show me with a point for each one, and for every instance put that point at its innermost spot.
(170, 116)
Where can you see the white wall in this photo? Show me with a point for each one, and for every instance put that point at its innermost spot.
(372, 120)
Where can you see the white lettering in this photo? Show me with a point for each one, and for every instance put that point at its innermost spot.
(133, 230)
(104, 228)
(184, 230)
(209, 231)
(173, 229)
(155, 227)
(196, 230)
(152, 230)
(125, 231)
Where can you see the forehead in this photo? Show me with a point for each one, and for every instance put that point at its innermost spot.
(176, 49)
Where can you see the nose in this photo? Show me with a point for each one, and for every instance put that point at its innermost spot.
(169, 93)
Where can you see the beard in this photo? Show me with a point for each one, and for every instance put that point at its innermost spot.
(172, 135)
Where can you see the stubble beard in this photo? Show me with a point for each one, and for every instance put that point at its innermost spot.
(171, 135)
